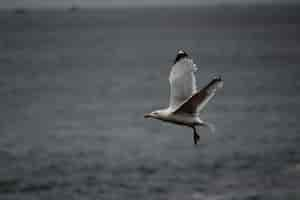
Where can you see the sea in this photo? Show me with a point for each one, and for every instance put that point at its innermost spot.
(75, 84)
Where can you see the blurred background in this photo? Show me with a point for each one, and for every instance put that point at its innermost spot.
(76, 78)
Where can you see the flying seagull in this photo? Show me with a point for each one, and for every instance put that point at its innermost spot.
(185, 101)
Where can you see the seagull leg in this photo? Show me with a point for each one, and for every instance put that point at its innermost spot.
(196, 136)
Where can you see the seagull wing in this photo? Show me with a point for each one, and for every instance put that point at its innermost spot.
(197, 101)
(182, 81)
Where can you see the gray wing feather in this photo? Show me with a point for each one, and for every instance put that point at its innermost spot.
(197, 102)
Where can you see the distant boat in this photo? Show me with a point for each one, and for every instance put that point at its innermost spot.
(73, 8)
(20, 11)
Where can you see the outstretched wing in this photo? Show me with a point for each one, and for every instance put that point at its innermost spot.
(196, 102)
(182, 80)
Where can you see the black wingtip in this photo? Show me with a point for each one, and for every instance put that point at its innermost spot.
(180, 55)
(217, 79)
(214, 81)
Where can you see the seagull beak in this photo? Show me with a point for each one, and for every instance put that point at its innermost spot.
(147, 115)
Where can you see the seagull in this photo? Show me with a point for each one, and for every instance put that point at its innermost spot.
(186, 102)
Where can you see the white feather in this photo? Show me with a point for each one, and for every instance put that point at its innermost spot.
(182, 82)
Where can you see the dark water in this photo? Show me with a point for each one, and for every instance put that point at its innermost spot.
(74, 88)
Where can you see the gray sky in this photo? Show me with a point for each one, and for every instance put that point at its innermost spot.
(112, 3)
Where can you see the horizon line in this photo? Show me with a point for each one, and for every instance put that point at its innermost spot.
(166, 5)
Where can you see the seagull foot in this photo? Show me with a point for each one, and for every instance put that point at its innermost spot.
(196, 137)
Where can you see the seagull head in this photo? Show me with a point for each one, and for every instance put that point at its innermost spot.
(153, 114)
(157, 114)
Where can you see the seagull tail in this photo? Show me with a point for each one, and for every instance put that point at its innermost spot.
(210, 126)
